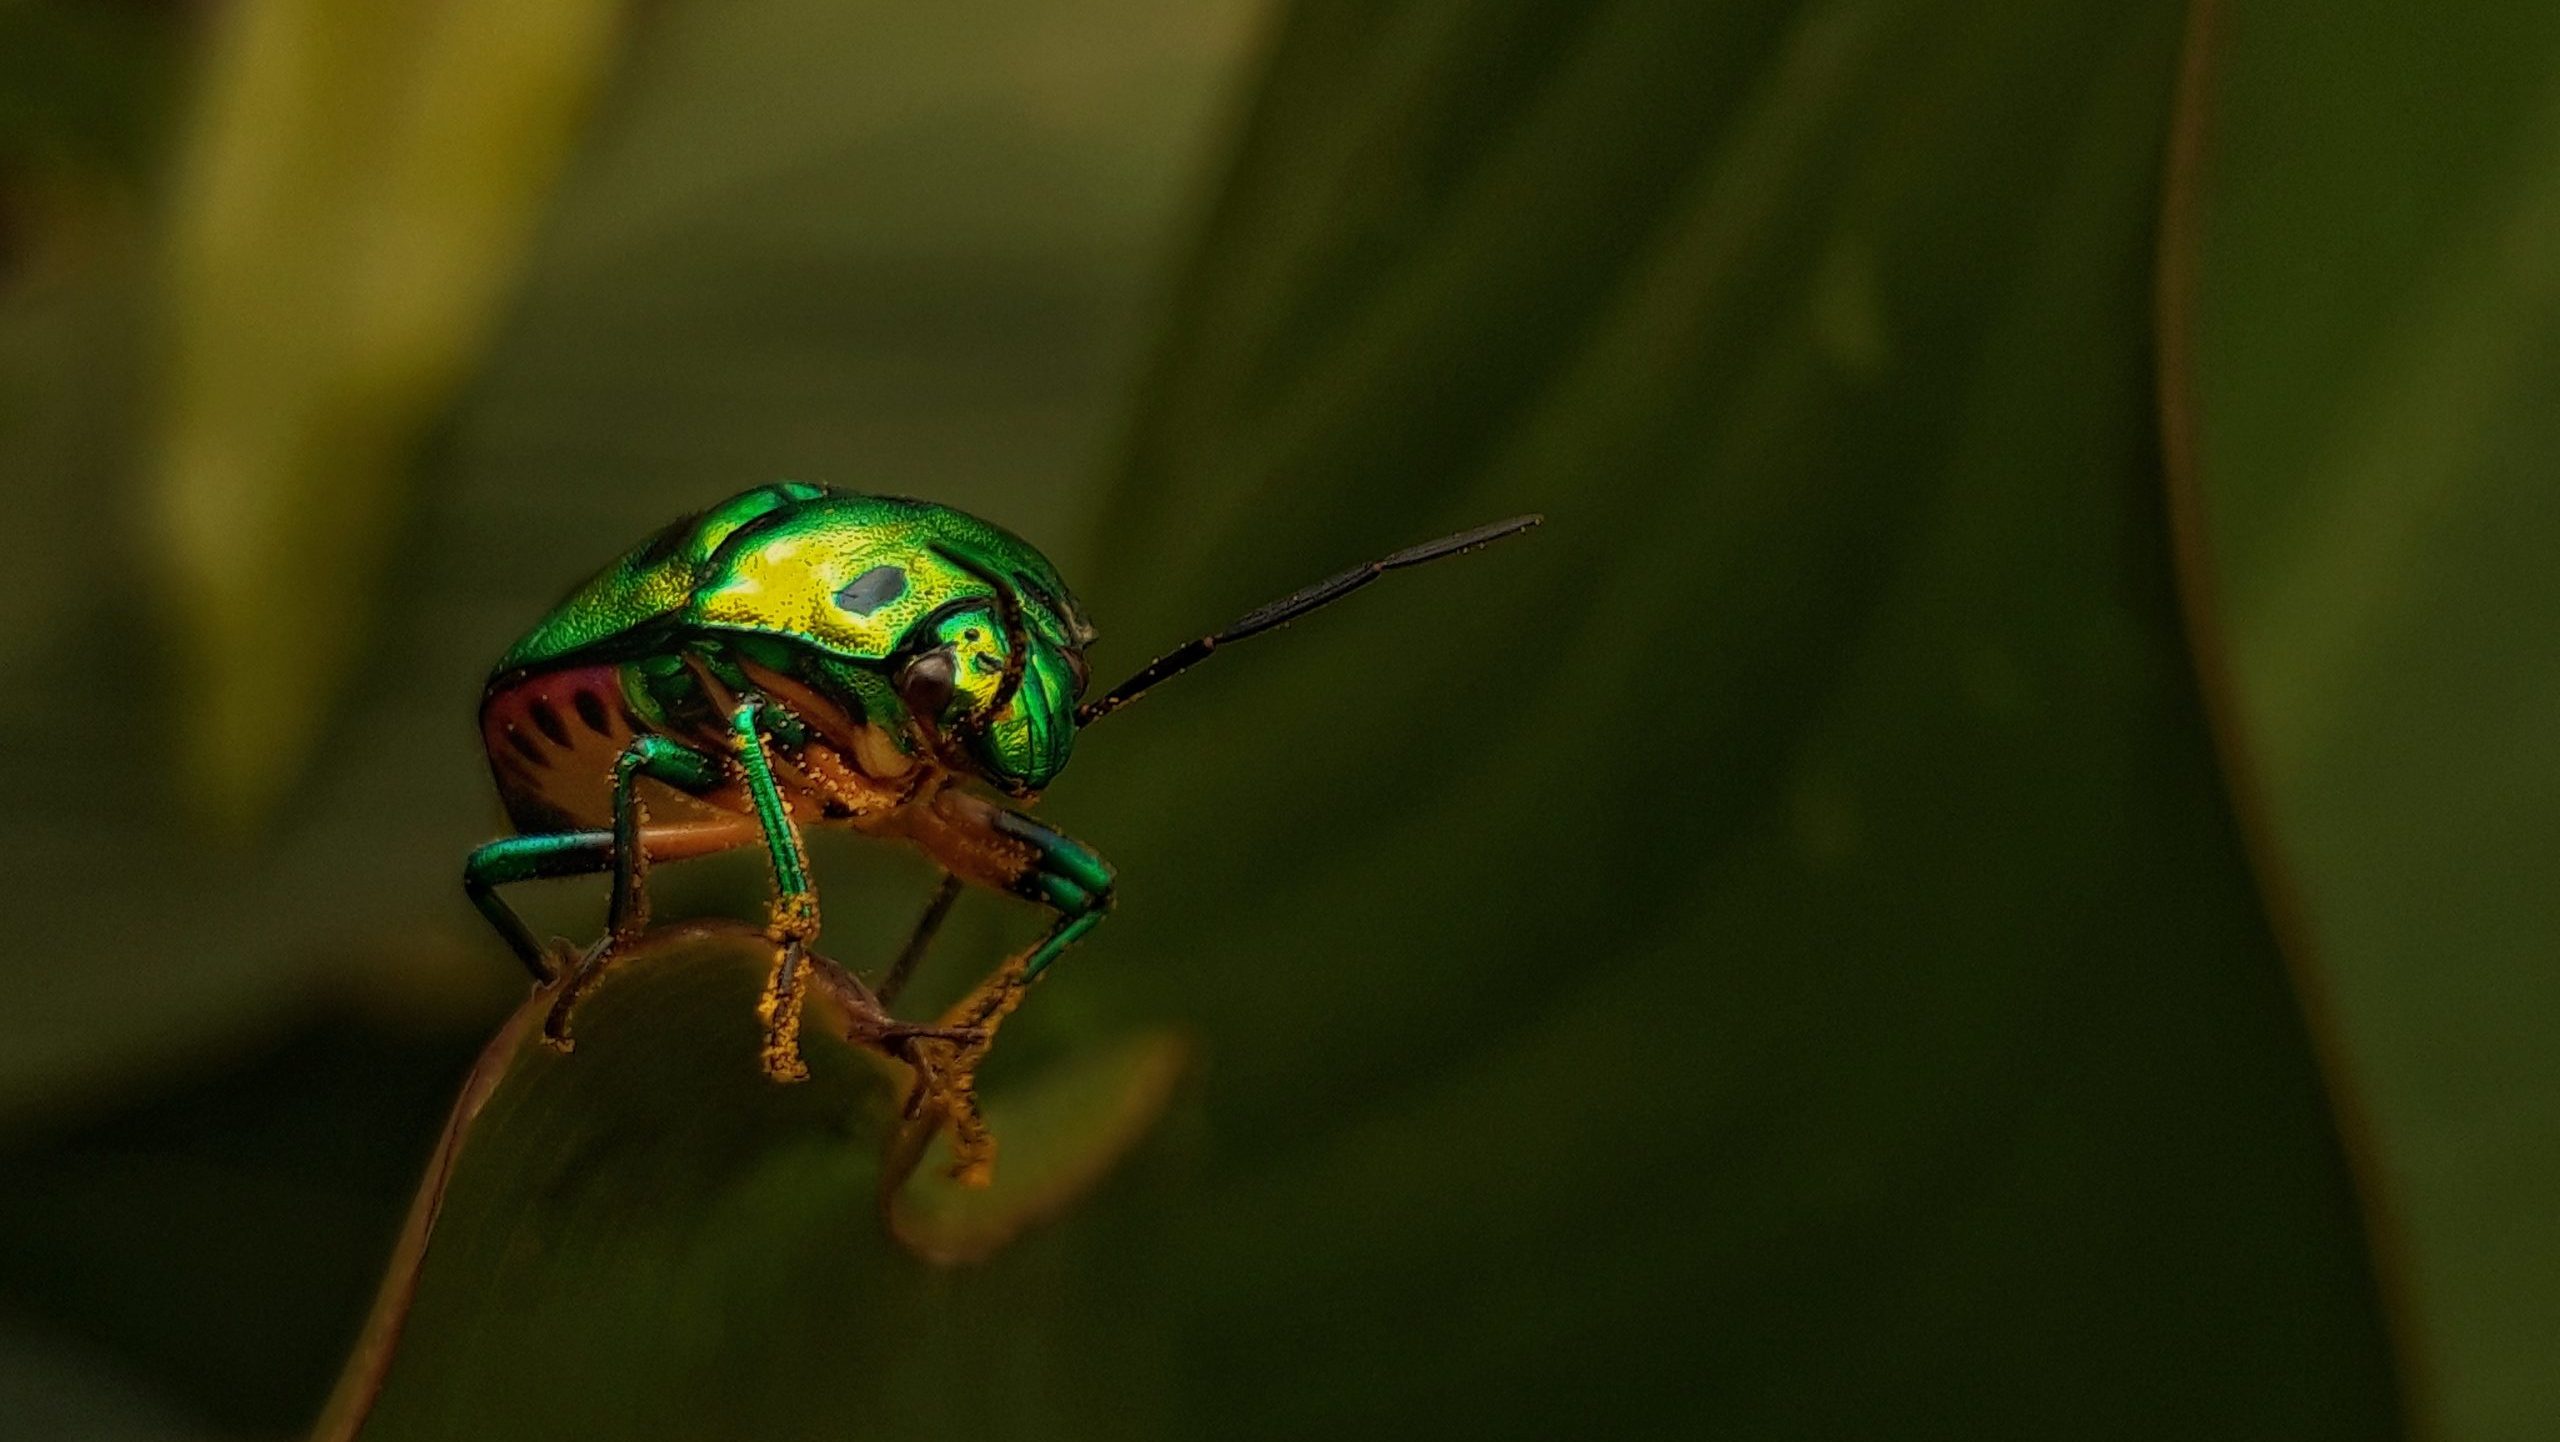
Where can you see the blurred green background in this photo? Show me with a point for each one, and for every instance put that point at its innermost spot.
(1986, 874)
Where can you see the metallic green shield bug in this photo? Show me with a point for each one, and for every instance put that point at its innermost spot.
(798, 656)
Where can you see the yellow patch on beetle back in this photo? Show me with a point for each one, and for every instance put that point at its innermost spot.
(788, 586)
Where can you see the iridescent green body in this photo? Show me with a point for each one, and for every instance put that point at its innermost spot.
(797, 656)
(794, 656)
(838, 592)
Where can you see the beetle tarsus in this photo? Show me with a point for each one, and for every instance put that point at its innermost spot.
(779, 1009)
(576, 973)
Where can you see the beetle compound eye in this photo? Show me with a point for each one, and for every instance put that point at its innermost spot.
(926, 683)
(872, 590)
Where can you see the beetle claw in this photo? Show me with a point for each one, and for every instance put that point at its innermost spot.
(559, 959)
(574, 971)
(555, 1025)
(902, 1036)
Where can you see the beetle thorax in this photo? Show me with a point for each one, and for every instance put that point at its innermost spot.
(847, 789)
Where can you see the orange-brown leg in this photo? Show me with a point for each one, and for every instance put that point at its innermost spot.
(999, 847)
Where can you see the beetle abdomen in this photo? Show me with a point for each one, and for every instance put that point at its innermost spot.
(552, 739)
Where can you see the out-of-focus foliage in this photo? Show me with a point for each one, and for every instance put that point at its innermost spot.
(351, 204)
(1771, 951)
(82, 96)
(82, 90)
(803, 240)
(902, 249)
(1824, 901)
(624, 1193)
(54, 1389)
(2378, 361)
(210, 1250)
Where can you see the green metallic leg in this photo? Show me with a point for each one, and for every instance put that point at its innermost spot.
(530, 858)
(627, 914)
(982, 841)
(747, 727)
(793, 923)
(659, 759)
(551, 855)
(1065, 875)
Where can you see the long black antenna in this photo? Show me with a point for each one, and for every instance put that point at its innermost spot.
(1290, 607)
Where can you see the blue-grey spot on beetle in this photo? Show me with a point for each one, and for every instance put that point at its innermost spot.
(872, 590)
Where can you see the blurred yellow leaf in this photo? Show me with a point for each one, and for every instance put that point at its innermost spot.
(353, 201)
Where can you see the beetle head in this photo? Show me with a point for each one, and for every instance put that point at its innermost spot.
(955, 681)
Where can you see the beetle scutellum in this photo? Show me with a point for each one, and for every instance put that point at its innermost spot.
(800, 656)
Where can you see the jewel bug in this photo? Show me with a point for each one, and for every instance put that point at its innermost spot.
(798, 656)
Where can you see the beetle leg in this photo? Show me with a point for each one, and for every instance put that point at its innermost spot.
(1006, 849)
(921, 938)
(554, 855)
(627, 914)
(978, 840)
(1067, 876)
(656, 757)
(793, 922)
(530, 858)
(620, 850)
